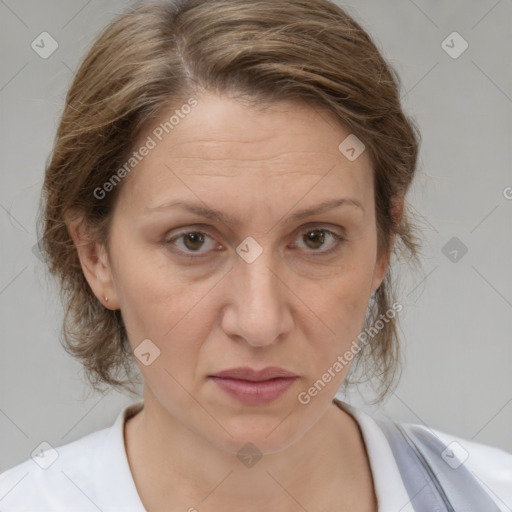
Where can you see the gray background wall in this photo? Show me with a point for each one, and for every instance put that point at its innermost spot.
(457, 316)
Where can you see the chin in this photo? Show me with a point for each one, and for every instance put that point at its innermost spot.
(264, 435)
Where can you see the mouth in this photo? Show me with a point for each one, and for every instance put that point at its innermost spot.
(254, 387)
(254, 392)
(247, 373)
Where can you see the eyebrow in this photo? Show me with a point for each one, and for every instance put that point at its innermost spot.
(214, 214)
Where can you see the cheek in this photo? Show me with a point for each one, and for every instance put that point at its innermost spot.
(151, 297)
(164, 312)
(161, 304)
(344, 298)
(165, 316)
(347, 306)
(341, 305)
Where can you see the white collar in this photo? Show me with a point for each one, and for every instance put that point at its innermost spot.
(391, 493)
(117, 492)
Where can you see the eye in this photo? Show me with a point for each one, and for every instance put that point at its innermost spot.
(190, 242)
(315, 238)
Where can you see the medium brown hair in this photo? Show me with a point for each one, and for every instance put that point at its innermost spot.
(157, 55)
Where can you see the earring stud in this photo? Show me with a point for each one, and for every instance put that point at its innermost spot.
(106, 299)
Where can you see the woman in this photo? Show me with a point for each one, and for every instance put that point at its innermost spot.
(223, 199)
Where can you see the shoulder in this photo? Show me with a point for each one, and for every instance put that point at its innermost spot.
(393, 462)
(468, 471)
(491, 466)
(89, 474)
(52, 479)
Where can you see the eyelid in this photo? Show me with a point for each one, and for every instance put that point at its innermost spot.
(208, 229)
(322, 225)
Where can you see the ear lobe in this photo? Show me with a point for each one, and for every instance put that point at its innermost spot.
(381, 267)
(397, 210)
(94, 261)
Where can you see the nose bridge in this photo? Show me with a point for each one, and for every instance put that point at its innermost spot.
(260, 290)
(258, 310)
(258, 277)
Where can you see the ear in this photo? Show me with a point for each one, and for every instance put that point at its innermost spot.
(94, 260)
(382, 264)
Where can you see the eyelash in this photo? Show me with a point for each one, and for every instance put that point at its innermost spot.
(338, 241)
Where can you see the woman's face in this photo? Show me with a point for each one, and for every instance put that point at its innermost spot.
(260, 289)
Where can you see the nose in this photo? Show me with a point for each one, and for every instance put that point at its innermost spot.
(258, 310)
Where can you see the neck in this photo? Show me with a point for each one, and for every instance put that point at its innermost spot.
(172, 464)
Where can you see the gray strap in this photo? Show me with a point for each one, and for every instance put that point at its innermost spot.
(431, 483)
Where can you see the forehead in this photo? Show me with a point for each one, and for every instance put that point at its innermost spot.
(223, 128)
(223, 145)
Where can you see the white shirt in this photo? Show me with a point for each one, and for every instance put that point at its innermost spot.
(93, 473)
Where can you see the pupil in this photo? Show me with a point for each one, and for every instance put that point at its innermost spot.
(314, 236)
(196, 238)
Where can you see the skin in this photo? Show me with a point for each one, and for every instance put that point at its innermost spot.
(291, 307)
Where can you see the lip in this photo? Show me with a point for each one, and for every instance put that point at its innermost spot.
(247, 373)
(254, 387)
